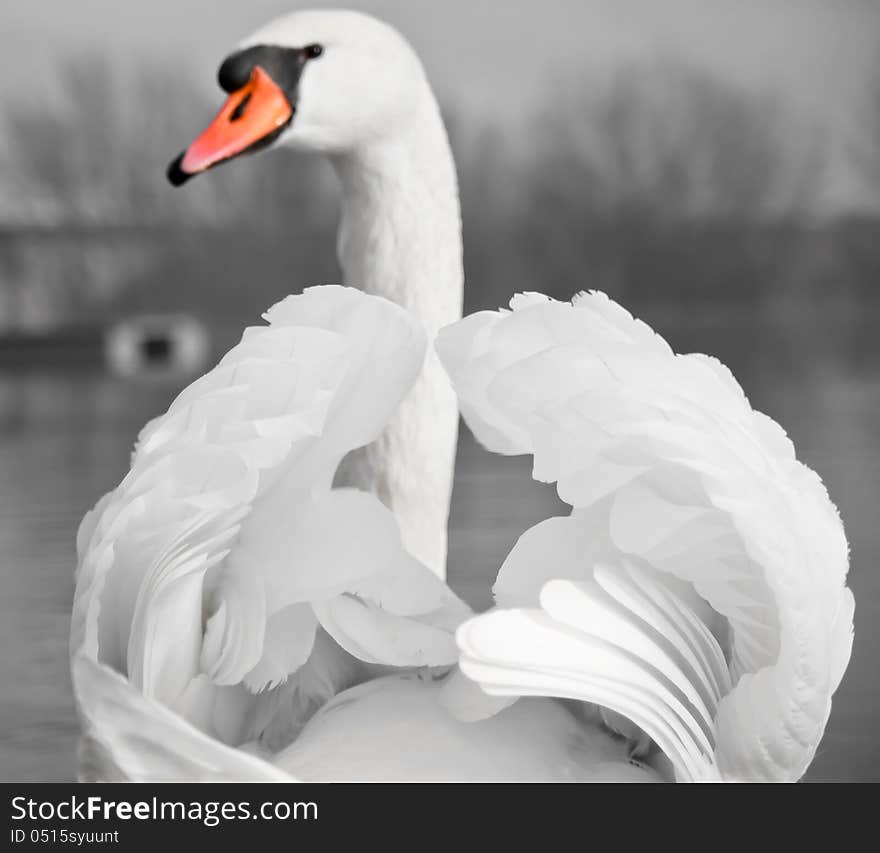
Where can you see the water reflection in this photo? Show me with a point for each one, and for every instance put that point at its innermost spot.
(66, 438)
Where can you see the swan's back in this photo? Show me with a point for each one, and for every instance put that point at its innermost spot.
(399, 728)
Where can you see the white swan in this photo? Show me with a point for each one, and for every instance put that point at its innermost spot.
(224, 591)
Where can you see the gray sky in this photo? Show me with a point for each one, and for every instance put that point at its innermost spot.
(494, 56)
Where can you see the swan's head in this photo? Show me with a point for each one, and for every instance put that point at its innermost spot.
(321, 80)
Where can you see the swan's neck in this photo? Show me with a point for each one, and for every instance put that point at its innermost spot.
(400, 237)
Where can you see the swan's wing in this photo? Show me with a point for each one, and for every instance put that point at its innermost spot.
(205, 575)
(128, 736)
(696, 538)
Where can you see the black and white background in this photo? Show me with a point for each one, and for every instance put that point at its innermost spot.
(713, 164)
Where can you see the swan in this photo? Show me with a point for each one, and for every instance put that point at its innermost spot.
(238, 617)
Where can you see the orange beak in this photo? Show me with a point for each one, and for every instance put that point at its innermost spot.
(252, 117)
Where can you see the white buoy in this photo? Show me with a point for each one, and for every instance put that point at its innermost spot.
(157, 344)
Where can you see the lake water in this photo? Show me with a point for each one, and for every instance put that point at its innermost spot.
(65, 440)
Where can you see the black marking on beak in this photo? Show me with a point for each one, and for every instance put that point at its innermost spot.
(176, 176)
(238, 112)
(283, 64)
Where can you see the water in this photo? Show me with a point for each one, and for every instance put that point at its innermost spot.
(65, 439)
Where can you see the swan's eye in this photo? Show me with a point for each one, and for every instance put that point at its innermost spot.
(313, 51)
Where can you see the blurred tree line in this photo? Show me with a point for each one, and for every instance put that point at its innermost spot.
(689, 200)
(97, 232)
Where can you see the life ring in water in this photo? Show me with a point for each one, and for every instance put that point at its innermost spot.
(157, 344)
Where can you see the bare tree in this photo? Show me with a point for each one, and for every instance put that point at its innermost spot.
(663, 176)
(92, 171)
(677, 143)
(101, 156)
(865, 151)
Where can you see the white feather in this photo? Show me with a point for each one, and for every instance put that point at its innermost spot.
(204, 576)
(707, 564)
